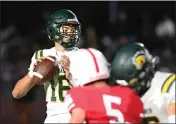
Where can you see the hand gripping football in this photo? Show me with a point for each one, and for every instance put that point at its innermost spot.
(45, 69)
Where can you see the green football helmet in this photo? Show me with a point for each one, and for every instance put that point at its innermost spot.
(134, 64)
(64, 27)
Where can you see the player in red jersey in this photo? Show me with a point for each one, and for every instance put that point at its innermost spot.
(92, 99)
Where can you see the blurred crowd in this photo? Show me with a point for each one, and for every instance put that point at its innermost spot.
(19, 44)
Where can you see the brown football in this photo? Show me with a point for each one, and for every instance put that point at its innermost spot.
(45, 70)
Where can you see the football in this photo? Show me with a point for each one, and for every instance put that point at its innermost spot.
(45, 69)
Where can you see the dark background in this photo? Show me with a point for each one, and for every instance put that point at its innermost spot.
(23, 32)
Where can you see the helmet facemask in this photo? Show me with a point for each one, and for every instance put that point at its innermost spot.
(143, 81)
(66, 34)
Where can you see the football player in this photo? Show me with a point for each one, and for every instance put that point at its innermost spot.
(64, 29)
(134, 64)
(92, 99)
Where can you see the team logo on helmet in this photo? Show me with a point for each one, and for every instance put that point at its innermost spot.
(139, 59)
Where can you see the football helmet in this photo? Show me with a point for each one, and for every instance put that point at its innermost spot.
(64, 27)
(87, 66)
(135, 65)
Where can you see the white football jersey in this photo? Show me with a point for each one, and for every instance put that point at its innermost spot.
(57, 87)
(160, 94)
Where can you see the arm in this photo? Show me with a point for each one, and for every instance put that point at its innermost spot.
(171, 105)
(170, 98)
(74, 103)
(77, 115)
(23, 86)
(171, 113)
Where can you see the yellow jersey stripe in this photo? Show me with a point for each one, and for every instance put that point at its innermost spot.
(38, 54)
(168, 82)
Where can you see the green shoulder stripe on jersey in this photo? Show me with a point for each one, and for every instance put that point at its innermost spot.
(39, 54)
(168, 83)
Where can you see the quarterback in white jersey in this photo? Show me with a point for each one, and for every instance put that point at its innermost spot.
(64, 29)
(133, 65)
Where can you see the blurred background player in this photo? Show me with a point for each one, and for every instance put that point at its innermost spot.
(64, 29)
(134, 64)
(92, 100)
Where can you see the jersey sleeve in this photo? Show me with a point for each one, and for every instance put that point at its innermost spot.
(34, 58)
(73, 99)
(168, 89)
(169, 84)
(171, 89)
(169, 98)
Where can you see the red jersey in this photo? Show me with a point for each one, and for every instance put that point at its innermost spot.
(106, 104)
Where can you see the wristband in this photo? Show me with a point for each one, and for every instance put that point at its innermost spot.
(30, 74)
